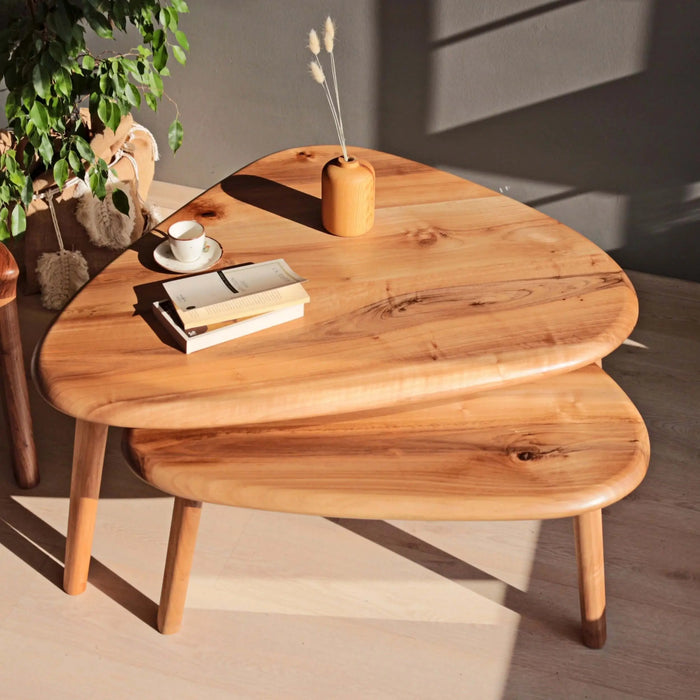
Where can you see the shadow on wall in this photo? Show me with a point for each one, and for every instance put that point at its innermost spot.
(635, 137)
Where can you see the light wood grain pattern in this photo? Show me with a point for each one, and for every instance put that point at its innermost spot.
(86, 476)
(563, 445)
(556, 447)
(588, 533)
(14, 378)
(178, 563)
(455, 289)
(301, 607)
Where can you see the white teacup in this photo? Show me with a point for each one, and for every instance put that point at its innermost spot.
(186, 240)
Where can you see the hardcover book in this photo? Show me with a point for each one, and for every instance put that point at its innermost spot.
(205, 336)
(235, 292)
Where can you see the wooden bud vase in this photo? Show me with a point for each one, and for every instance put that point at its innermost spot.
(347, 196)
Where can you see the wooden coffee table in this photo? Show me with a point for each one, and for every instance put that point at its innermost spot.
(456, 289)
(560, 446)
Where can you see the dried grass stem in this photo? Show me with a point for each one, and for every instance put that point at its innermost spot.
(320, 77)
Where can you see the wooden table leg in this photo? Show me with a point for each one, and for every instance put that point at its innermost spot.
(19, 417)
(178, 564)
(88, 458)
(588, 530)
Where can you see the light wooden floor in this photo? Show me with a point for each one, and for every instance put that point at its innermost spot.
(299, 607)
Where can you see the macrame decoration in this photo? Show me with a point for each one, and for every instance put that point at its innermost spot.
(62, 273)
(106, 226)
(85, 232)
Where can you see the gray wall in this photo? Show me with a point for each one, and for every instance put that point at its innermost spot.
(586, 109)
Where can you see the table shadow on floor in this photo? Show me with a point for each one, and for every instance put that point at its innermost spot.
(42, 547)
(528, 604)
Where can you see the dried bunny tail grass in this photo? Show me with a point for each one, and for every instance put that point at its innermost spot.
(320, 77)
(317, 72)
(314, 43)
(329, 34)
(328, 40)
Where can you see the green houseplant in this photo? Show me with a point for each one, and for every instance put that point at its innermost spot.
(49, 72)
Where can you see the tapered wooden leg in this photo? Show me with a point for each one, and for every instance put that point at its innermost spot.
(88, 458)
(588, 530)
(178, 564)
(14, 382)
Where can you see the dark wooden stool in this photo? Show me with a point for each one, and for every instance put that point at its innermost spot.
(14, 379)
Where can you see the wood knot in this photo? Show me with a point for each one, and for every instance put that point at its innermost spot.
(204, 210)
(304, 155)
(399, 305)
(427, 236)
(526, 455)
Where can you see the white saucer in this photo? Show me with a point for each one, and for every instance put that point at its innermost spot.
(165, 258)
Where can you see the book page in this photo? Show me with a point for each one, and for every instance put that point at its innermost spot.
(244, 306)
(229, 283)
(201, 338)
(235, 292)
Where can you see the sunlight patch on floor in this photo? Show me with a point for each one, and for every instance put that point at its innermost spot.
(434, 600)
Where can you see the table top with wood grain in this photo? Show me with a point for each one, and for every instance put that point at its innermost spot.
(455, 289)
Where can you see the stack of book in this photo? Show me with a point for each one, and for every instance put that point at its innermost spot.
(207, 309)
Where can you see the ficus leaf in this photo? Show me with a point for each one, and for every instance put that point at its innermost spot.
(175, 134)
(17, 177)
(84, 149)
(120, 201)
(46, 71)
(156, 84)
(77, 36)
(99, 23)
(41, 81)
(181, 39)
(28, 95)
(75, 162)
(104, 82)
(46, 150)
(60, 172)
(132, 95)
(63, 81)
(58, 52)
(151, 101)
(11, 106)
(160, 58)
(62, 21)
(158, 39)
(27, 193)
(39, 115)
(18, 221)
(104, 110)
(115, 117)
(98, 179)
(180, 55)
